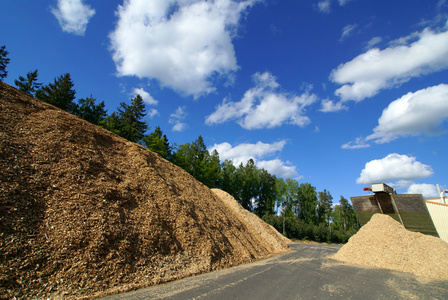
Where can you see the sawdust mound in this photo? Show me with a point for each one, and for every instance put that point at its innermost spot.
(85, 213)
(385, 243)
(271, 238)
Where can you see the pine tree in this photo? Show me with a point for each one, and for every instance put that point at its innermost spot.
(29, 84)
(157, 142)
(130, 124)
(4, 61)
(60, 93)
(111, 123)
(89, 111)
(197, 160)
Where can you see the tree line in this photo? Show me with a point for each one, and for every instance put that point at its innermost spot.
(296, 210)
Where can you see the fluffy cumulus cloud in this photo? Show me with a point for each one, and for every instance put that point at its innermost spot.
(264, 107)
(423, 112)
(427, 190)
(376, 69)
(184, 44)
(328, 105)
(177, 119)
(148, 99)
(394, 167)
(73, 15)
(258, 151)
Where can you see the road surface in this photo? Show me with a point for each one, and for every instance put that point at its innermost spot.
(305, 273)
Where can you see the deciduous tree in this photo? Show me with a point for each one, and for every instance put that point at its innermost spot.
(324, 207)
(307, 197)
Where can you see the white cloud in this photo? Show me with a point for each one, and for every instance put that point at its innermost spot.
(376, 69)
(401, 184)
(328, 105)
(374, 41)
(73, 15)
(427, 190)
(243, 152)
(422, 112)
(356, 144)
(176, 119)
(324, 6)
(263, 107)
(147, 98)
(394, 167)
(343, 2)
(278, 168)
(184, 44)
(152, 112)
(347, 31)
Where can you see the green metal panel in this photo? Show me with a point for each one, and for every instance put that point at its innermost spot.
(414, 213)
(408, 209)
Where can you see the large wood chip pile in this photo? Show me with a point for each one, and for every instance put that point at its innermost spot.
(272, 239)
(85, 213)
(385, 243)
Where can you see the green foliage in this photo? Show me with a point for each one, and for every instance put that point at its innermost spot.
(89, 111)
(324, 207)
(344, 216)
(307, 199)
(229, 179)
(60, 93)
(4, 61)
(111, 123)
(287, 193)
(196, 160)
(157, 142)
(129, 122)
(265, 200)
(298, 229)
(29, 84)
(248, 177)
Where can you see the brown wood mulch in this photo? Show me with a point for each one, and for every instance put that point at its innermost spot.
(85, 213)
(385, 243)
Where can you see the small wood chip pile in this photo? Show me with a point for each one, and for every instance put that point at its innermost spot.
(85, 213)
(385, 243)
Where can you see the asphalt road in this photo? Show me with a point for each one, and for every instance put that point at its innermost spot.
(305, 273)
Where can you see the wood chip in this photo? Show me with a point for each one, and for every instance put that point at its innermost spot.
(385, 243)
(85, 213)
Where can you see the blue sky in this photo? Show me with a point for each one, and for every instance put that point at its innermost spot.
(337, 93)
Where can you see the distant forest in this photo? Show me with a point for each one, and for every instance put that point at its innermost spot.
(296, 210)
